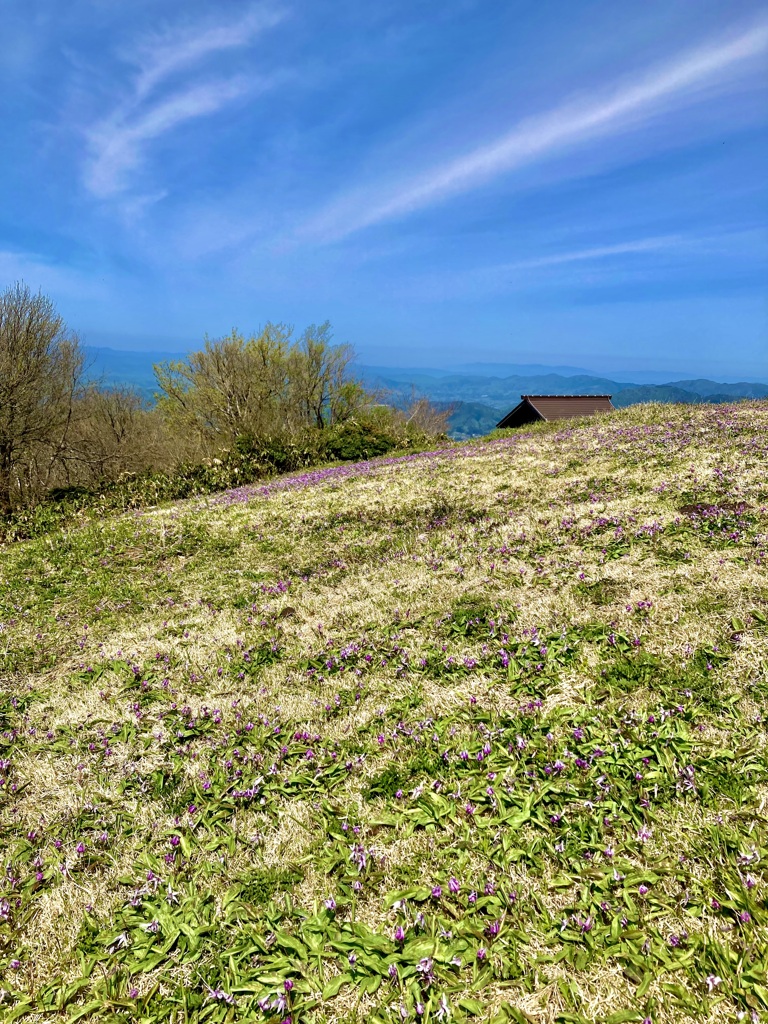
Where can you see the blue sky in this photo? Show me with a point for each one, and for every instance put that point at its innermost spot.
(520, 181)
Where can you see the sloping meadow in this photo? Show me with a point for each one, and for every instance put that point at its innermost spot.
(472, 734)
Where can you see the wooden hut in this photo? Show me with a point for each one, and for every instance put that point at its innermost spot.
(533, 408)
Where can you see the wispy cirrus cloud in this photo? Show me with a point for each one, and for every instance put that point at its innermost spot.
(118, 143)
(680, 247)
(649, 257)
(693, 75)
(660, 243)
(165, 54)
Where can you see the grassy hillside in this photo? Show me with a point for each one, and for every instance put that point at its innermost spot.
(478, 733)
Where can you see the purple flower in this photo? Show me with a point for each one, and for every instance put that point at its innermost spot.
(643, 889)
(454, 885)
(584, 924)
(221, 995)
(424, 968)
(399, 934)
(482, 953)
(437, 892)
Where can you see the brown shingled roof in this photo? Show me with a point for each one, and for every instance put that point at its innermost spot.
(555, 407)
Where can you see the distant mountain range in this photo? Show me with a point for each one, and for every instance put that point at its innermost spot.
(480, 402)
(116, 368)
(479, 392)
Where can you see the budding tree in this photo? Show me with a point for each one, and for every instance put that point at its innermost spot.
(41, 370)
(323, 391)
(263, 385)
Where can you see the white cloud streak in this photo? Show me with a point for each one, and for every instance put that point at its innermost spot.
(167, 54)
(620, 260)
(118, 147)
(118, 143)
(661, 243)
(679, 247)
(624, 108)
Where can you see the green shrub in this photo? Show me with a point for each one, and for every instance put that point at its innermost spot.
(377, 433)
(355, 441)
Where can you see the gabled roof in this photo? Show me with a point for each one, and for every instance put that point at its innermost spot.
(563, 407)
(555, 407)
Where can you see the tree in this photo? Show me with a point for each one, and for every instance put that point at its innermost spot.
(114, 431)
(323, 392)
(41, 372)
(234, 386)
(264, 385)
(427, 417)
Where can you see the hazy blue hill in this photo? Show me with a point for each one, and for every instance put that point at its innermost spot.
(396, 373)
(518, 370)
(544, 380)
(474, 370)
(709, 388)
(114, 368)
(472, 419)
(501, 393)
(645, 377)
(394, 380)
(481, 392)
(654, 393)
